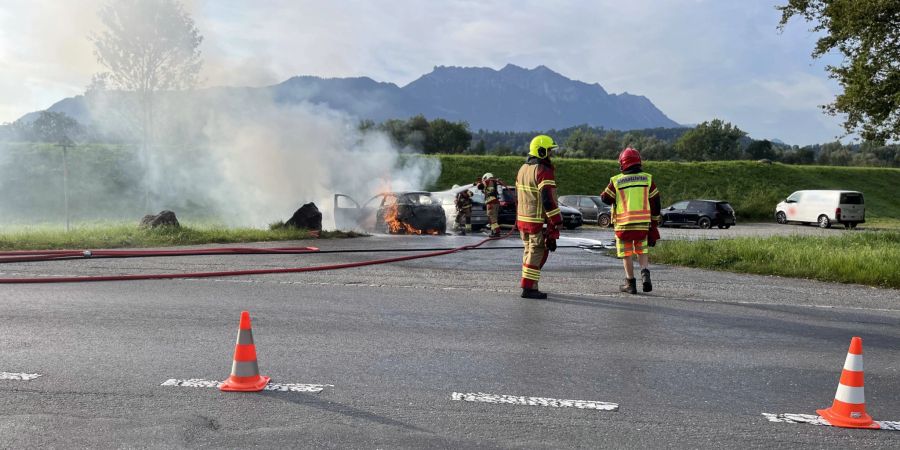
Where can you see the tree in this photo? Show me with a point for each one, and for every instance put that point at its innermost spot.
(447, 137)
(714, 140)
(582, 142)
(761, 150)
(149, 46)
(867, 33)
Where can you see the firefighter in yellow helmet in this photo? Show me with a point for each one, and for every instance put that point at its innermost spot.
(536, 191)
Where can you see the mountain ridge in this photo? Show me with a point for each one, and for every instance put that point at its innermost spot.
(512, 98)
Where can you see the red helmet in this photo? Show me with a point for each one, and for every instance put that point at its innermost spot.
(629, 157)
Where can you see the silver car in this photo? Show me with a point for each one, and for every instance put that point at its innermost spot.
(592, 209)
(448, 202)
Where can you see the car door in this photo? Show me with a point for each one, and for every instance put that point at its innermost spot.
(589, 212)
(693, 212)
(346, 212)
(792, 212)
(675, 213)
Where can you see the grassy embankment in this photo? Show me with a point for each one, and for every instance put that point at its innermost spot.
(752, 188)
(870, 258)
(117, 235)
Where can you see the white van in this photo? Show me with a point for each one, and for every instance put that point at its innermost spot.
(823, 207)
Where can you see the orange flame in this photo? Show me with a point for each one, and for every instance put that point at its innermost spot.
(397, 226)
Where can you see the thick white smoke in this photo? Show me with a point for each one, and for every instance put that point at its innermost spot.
(269, 159)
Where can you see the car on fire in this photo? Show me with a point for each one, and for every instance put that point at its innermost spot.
(408, 212)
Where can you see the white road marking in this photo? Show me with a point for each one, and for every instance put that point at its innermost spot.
(18, 376)
(280, 387)
(813, 419)
(533, 401)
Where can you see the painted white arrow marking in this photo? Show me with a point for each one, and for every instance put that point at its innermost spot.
(813, 419)
(282, 387)
(533, 401)
(18, 376)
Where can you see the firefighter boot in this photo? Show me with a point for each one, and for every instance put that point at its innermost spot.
(645, 277)
(630, 286)
(533, 293)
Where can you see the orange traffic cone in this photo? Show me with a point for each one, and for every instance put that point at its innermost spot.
(849, 407)
(244, 371)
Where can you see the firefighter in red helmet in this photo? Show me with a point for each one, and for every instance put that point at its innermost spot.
(636, 209)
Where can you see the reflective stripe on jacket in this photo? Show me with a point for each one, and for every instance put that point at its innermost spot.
(632, 194)
(536, 196)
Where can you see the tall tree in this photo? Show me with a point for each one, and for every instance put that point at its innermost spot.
(867, 33)
(713, 140)
(54, 127)
(149, 46)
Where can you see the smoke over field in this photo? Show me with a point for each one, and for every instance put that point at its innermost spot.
(152, 139)
(245, 162)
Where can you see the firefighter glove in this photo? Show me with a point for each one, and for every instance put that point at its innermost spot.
(551, 245)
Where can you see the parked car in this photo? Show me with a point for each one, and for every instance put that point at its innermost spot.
(412, 212)
(448, 202)
(572, 218)
(592, 209)
(824, 207)
(702, 213)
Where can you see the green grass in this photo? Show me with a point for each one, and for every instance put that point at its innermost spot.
(870, 258)
(97, 236)
(752, 188)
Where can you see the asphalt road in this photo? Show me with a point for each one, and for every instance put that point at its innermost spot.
(693, 364)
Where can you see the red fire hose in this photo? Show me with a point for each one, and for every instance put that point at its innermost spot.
(53, 255)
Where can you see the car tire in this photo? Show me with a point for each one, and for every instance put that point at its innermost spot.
(780, 217)
(824, 222)
(603, 221)
(704, 222)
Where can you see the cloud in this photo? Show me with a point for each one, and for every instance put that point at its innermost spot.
(694, 59)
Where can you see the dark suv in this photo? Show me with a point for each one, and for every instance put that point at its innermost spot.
(702, 213)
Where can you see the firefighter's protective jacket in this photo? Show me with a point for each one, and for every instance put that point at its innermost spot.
(463, 200)
(489, 187)
(536, 191)
(635, 199)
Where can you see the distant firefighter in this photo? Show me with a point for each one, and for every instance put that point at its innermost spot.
(464, 211)
(636, 209)
(536, 190)
(488, 185)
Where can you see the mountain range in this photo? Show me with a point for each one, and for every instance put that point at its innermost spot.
(510, 99)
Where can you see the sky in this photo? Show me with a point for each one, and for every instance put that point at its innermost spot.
(694, 59)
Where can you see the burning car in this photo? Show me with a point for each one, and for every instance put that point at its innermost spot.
(412, 212)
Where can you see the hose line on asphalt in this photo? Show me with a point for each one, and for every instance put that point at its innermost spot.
(53, 255)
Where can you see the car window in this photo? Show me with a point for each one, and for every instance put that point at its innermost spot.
(851, 199)
(599, 203)
(699, 206)
(725, 206)
(586, 203)
(680, 205)
(795, 197)
(375, 201)
(566, 199)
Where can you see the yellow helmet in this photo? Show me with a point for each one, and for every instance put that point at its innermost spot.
(541, 145)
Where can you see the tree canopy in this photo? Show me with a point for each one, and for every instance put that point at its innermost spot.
(713, 140)
(867, 34)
